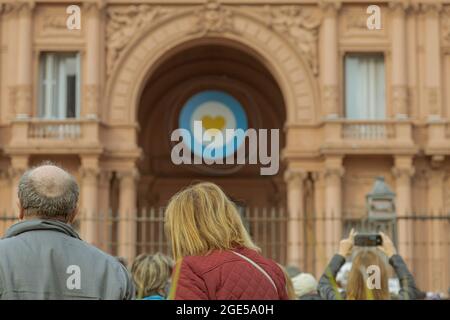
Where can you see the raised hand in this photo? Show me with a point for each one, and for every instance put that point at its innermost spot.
(346, 245)
(387, 247)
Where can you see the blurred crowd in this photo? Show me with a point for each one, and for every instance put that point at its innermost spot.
(213, 256)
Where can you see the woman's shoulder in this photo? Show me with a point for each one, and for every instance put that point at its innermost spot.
(221, 258)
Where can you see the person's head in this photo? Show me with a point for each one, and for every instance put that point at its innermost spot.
(367, 263)
(304, 284)
(201, 218)
(48, 192)
(151, 274)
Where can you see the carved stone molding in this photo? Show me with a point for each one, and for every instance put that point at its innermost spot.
(336, 173)
(213, 18)
(6, 8)
(123, 22)
(24, 7)
(89, 174)
(295, 178)
(301, 26)
(403, 172)
(93, 6)
(432, 9)
(330, 8)
(398, 7)
(400, 99)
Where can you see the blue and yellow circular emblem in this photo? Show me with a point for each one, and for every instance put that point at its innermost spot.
(215, 110)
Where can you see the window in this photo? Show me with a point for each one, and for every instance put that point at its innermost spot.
(364, 86)
(59, 87)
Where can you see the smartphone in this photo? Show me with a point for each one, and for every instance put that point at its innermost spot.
(368, 240)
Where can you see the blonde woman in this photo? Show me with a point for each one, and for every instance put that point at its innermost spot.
(357, 288)
(151, 275)
(217, 260)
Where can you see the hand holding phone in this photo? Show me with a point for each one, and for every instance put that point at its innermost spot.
(346, 245)
(387, 247)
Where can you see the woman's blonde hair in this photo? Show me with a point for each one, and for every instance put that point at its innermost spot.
(289, 284)
(357, 286)
(201, 218)
(151, 273)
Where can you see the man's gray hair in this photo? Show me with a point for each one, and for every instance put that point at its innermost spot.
(48, 191)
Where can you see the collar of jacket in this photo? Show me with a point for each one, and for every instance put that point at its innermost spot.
(40, 224)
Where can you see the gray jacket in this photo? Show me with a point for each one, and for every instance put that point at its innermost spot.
(46, 259)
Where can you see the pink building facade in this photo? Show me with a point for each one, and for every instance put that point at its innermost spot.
(352, 103)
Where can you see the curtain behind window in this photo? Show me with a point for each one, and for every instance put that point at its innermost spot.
(59, 85)
(364, 87)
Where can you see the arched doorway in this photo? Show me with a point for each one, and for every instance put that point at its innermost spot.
(145, 55)
(207, 67)
(222, 68)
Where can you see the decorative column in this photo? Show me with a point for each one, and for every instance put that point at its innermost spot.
(104, 208)
(432, 59)
(91, 90)
(329, 58)
(319, 222)
(436, 228)
(4, 200)
(399, 60)
(127, 214)
(89, 197)
(403, 171)
(19, 164)
(333, 204)
(296, 224)
(23, 91)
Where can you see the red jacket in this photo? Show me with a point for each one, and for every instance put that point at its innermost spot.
(223, 275)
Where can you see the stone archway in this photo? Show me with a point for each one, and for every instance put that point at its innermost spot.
(169, 31)
(134, 54)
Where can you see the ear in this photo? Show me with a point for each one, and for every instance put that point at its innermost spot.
(73, 215)
(21, 211)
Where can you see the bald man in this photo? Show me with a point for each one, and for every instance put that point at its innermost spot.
(42, 256)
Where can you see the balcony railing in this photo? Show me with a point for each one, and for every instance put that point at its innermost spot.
(65, 135)
(54, 129)
(367, 130)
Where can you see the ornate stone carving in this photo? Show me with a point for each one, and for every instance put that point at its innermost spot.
(400, 99)
(53, 22)
(89, 175)
(400, 173)
(123, 23)
(432, 9)
(334, 173)
(6, 8)
(295, 178)
(301, 26)
(213, 18)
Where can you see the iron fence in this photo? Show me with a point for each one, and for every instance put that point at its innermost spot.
(428, 240)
